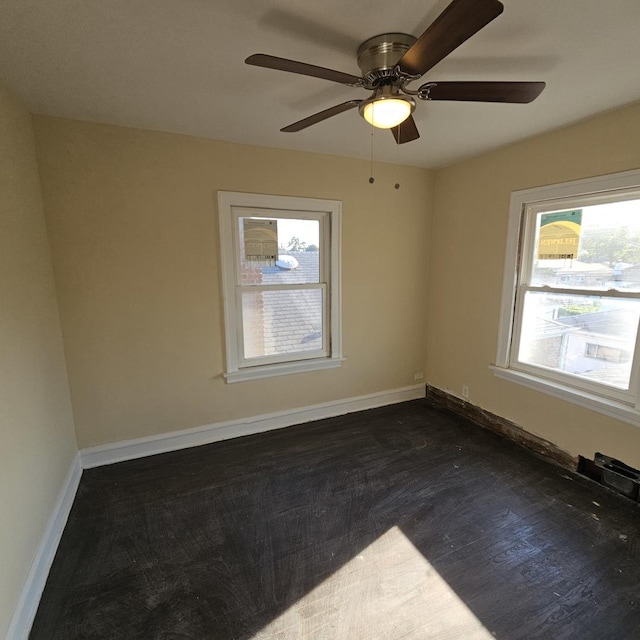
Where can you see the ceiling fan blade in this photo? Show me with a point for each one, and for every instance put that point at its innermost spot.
(293, 66)
(519, 92)
(320, 116)
(406, 131)
(458, 22)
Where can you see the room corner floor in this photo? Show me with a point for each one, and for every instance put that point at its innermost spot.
(403, 522)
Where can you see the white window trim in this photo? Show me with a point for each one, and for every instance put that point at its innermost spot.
(227, 201)
(501, 369)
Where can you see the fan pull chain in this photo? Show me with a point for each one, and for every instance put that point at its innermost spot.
(397, 184)
(371, 178)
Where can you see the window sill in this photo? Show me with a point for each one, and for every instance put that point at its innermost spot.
(282, 369)
(611, 408)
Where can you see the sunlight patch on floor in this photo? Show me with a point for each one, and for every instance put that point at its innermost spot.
(387, 592)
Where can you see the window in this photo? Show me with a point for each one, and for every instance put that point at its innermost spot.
(281, 284)
(571, 295)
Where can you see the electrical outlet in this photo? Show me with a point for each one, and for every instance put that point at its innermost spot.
(418, 376)
(465, 391)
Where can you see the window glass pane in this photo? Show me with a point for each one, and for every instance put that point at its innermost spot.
(588, 336)
(280, 322)
(279, 251)
(590, 247)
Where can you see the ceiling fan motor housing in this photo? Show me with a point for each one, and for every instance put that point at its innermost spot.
(378, 56)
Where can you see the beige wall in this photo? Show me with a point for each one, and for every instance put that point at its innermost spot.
(133, 226)
(37, 443)
(468, 246)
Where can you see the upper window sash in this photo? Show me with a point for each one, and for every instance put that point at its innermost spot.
(321, 217)
(529, 215)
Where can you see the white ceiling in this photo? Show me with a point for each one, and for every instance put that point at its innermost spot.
(178, 65)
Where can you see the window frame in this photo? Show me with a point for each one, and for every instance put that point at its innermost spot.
(524, 205)
(233, 205)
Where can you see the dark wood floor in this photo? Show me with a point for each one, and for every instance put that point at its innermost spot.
(404, 522)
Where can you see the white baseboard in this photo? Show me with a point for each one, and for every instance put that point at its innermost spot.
(27, 606)
(141, 447)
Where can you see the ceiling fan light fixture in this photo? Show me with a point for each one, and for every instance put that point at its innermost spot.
(387, 111)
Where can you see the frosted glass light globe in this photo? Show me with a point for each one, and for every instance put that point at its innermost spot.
(387, 113)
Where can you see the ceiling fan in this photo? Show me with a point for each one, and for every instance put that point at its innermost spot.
(391, 61)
